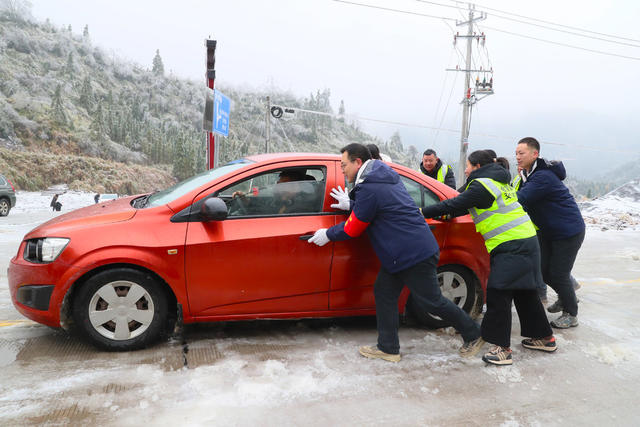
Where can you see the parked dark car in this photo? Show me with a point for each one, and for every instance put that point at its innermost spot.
(7, 196)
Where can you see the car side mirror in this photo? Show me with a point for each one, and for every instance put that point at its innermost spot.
(213, 209)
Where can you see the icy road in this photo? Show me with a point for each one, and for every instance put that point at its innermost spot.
(310, 373)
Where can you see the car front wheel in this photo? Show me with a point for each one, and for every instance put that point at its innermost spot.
(5, 207)
(120, 309)
(459, 285)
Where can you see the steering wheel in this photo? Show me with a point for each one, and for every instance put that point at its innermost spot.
(237, 206)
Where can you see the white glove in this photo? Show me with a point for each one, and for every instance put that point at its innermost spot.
(344, 203)
(320, 237)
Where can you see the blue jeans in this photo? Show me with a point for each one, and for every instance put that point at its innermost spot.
(422, 281)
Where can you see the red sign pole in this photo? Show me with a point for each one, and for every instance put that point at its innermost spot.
(211, 75)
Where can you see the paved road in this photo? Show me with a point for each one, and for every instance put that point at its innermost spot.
(309, 373)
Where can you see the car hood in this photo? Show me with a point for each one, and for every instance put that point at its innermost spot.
(99, 214)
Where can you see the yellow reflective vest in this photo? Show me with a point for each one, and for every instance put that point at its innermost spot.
(505, 219)
(442, 172)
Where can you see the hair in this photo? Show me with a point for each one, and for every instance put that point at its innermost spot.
(493, 153)
(502, 161)
(531, 143)
(429, 152)
(480, 157)
(375, 151)
(292, 175)
(357, 151)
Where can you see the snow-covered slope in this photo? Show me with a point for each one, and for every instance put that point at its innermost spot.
(616, 210)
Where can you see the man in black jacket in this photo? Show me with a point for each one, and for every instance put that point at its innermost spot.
(432, 166)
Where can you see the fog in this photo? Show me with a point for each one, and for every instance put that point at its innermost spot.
(391, 66)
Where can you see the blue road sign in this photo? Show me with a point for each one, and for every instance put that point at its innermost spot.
(221, 108)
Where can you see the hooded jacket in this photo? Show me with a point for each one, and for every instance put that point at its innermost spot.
(515, 264)
(382, 206)
(449, 179)
(548, 201)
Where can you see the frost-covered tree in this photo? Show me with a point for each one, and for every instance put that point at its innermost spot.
(57, 107)
(158, 66)
(15, 10)
(86, 95)
(69, 69)
(85, 32)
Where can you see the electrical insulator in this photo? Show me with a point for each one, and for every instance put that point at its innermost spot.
(469, 93)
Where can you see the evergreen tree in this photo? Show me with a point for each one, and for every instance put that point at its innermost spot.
(57, 107)
(97, 125)
(68, 69)
(85, 32)
(341, 111)
(158, 67)
(86, 95)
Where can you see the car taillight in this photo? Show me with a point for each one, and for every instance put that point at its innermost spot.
(11, 184)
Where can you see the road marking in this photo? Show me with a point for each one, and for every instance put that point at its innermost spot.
(14, 322)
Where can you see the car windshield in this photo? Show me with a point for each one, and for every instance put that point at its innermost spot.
(180, 189)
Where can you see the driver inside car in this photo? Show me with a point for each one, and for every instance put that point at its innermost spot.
(286, 193)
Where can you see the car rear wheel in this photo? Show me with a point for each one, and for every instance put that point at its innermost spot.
(120, 309)
(5, 207)
(459, 285)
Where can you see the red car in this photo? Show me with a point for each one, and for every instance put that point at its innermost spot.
(227, 244)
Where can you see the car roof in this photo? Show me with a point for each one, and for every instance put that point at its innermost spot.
(292, 156)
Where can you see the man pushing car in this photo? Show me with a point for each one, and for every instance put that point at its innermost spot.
(404, 244)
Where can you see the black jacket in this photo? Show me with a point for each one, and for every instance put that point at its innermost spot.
(514, 264)
(449, 179)
(473, 196)
(549, 203)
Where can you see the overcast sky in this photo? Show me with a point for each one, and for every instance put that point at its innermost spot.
(391, 66)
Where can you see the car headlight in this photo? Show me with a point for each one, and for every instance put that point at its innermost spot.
(44, 250)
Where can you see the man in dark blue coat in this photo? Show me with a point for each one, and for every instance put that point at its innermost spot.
(561, 228)
(403, 242)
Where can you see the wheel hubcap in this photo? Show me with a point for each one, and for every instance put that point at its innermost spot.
(121, 310)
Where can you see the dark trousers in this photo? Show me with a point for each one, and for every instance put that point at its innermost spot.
(557, 258)
(496, 324)
(422, 281)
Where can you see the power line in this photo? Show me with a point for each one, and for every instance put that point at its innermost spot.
(393, 10)
(565, 31)
(601, 52)
(551, 23)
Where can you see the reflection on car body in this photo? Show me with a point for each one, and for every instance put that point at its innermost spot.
(121, 272)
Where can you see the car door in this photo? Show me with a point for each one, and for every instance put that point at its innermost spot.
(258, 260)
(355, 264)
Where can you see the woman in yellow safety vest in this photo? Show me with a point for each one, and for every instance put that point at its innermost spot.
(511, 240)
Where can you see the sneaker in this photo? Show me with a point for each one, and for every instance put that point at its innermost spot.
(565, 321)
(471, 348)
(498, 356)
(542, 344)
(556, 307)
(372, 352)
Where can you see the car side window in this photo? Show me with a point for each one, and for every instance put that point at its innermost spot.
(419, 193)
(286, 191)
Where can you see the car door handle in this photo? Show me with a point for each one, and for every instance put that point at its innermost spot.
(305, 236)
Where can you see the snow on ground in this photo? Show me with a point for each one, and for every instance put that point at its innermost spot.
(309, 372)
(618, 209)
(32, 201)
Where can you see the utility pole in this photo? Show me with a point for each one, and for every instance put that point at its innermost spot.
(268, 125)
(469, 98)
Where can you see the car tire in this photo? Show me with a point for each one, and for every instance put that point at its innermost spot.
(5, 207)
(458, 284)
(106, 316)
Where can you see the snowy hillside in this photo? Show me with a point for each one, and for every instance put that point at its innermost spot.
(618, 209)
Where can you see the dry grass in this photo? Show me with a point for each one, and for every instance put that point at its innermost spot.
(34, 171)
